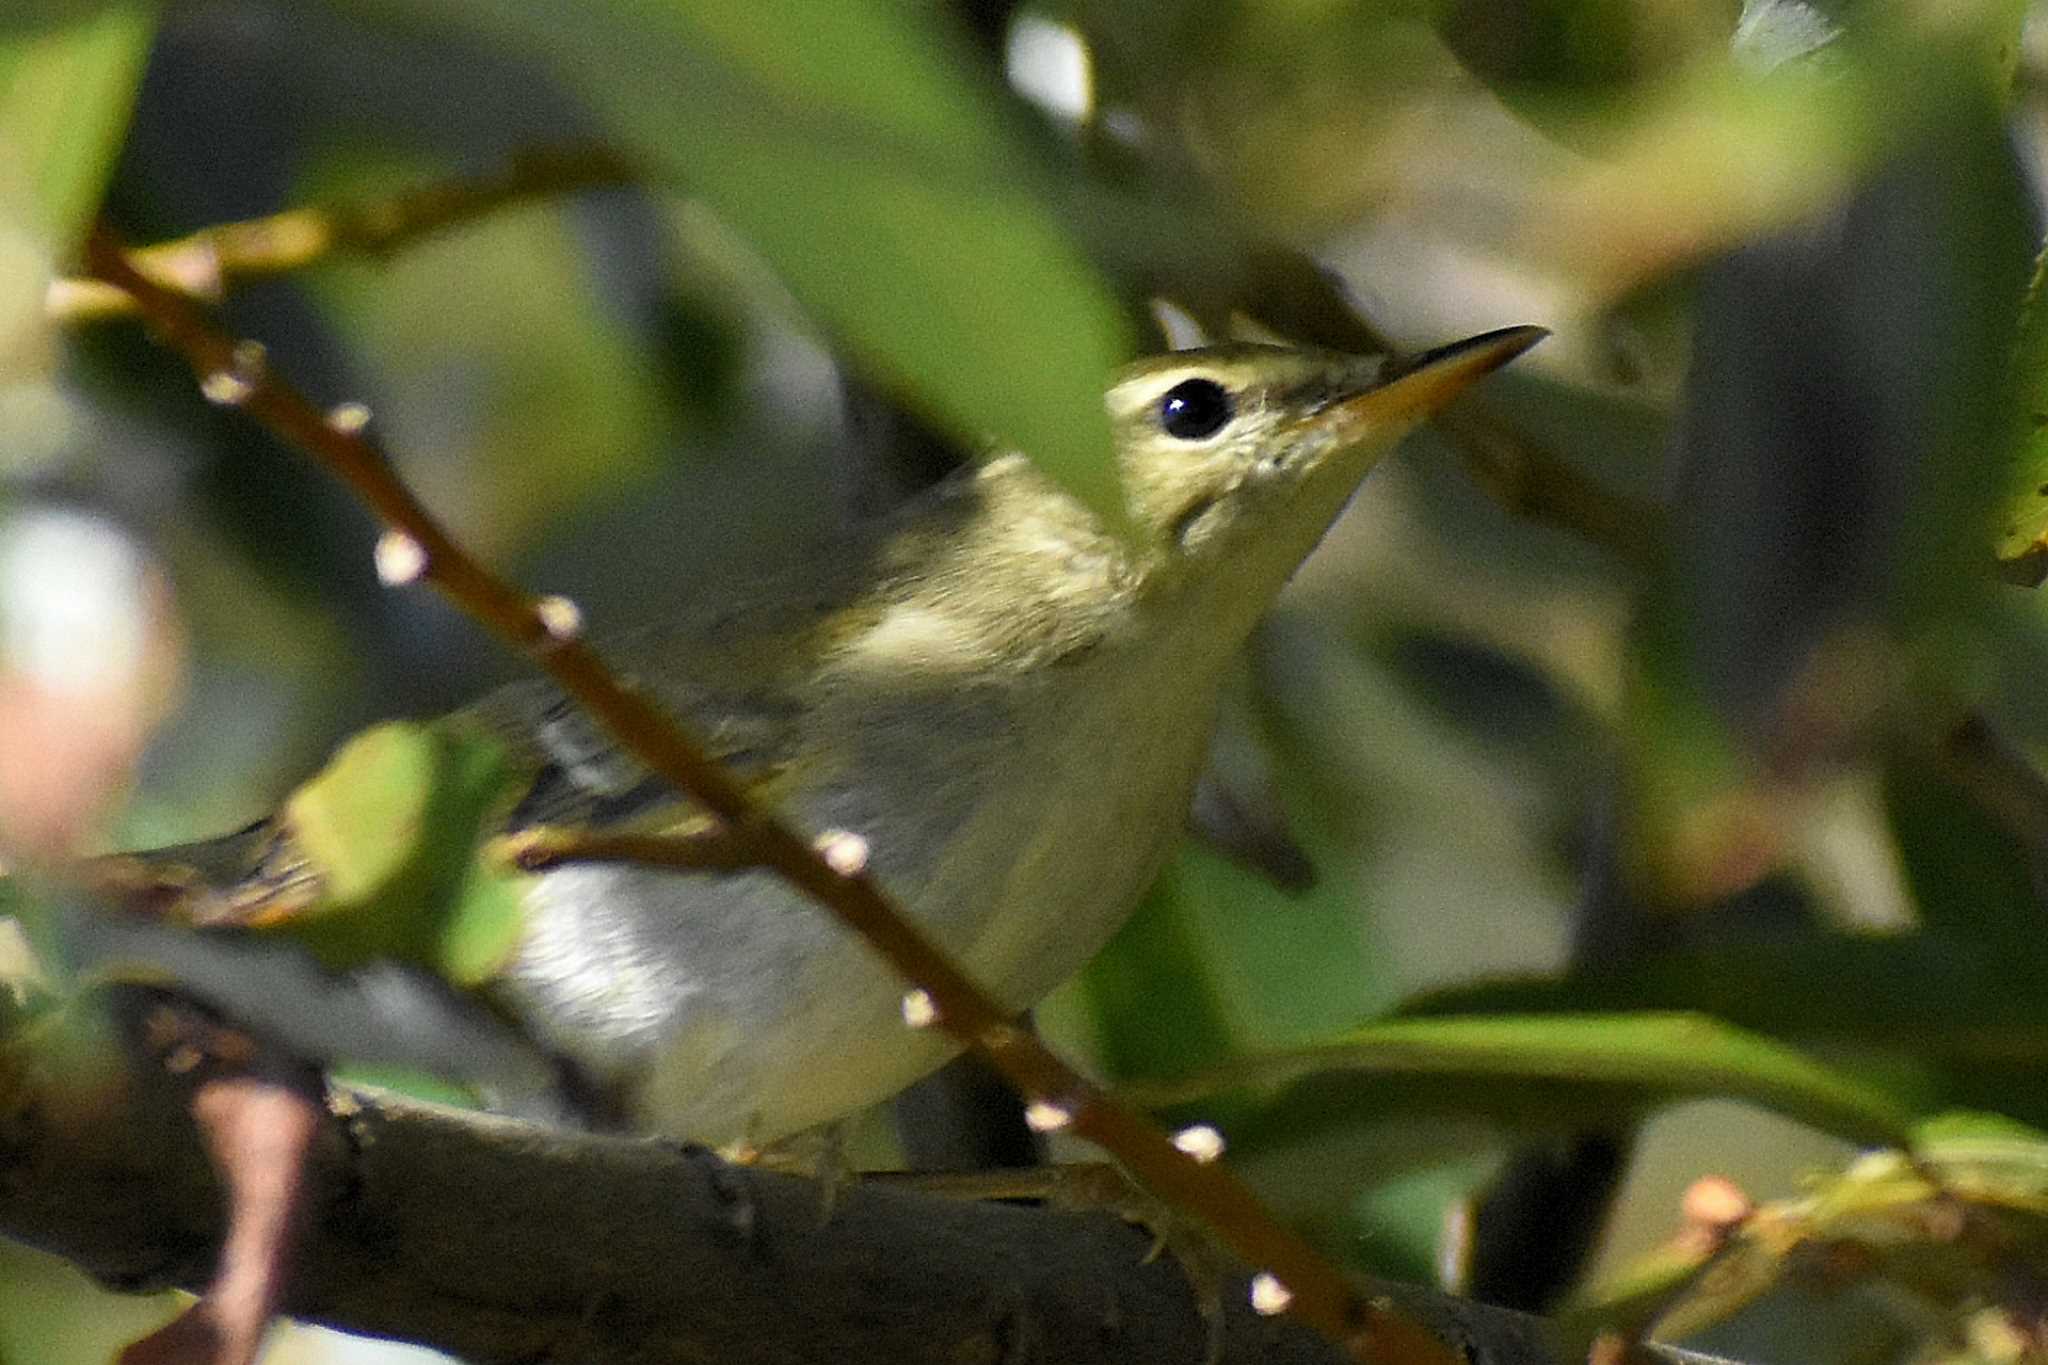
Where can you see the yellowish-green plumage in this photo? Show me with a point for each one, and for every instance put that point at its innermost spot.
(1009, 703)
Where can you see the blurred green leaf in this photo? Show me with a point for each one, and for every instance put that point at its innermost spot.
(559, 405)
(1987, 1156)
(68, 71)
(2022, 532)
(407, 1081)
(392, 828)
(1970, 878)
(1216, 962)
(1398, 1221)
(1140, 1029)
(67, 76)
(1926, 995)
(1960, 1130)
(1639, 1060)
(1701, 826)
(52, 1311)
(857, 148)
(1535, 53)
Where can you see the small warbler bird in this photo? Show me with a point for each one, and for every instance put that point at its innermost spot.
(1007, 700)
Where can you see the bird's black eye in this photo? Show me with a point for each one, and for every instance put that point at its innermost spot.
(1195, 409)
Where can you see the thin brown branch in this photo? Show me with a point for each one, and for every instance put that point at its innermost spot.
(208, 263)
(717, 848)
(832, 870)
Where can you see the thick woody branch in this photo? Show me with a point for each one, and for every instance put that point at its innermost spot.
(500, 1242)
(831, 870)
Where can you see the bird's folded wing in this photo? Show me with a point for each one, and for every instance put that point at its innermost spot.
(580, 776)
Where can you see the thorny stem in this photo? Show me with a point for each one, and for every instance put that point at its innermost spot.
(832, 870)
(207, 263)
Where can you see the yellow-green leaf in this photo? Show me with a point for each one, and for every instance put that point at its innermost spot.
(67, 76)
(482, 926)
(393, 827)
(1637, 1059)
(2022, 543)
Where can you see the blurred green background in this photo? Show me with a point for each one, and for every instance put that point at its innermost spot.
(1679, 673)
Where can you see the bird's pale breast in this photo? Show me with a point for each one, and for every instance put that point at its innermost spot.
(1019, 822)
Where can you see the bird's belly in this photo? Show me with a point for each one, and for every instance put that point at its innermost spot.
(731, 1008)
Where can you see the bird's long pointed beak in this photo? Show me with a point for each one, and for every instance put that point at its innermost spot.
(1421, 385)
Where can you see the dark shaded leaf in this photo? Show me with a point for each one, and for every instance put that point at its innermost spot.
(1589, 1062)
(1971, 879)
(862, 151)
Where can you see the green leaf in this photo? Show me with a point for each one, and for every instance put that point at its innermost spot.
(50, 1311)
(1960, 1129)
(409, 1082)
(1141, 1029)
(563, 409)
(482, 925)
(68, 70)
(1539, 54)
(67, 76)
(1923, 996)
(1970, 878)
(1987, 1157)
(2022, 543)
(856, 147)
(1634, 1060)
(393, 828)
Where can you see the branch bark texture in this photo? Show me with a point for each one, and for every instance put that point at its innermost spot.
(500, 1242)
